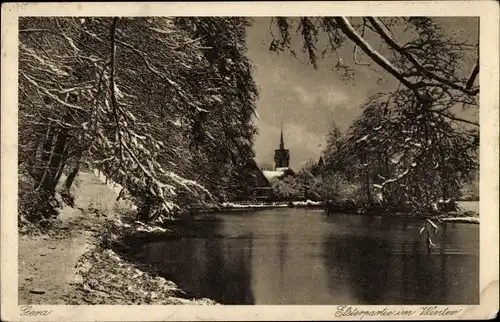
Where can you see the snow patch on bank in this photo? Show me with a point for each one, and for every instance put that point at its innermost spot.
(250, 205)
(472, 220)
(116, 187)
(306, 203)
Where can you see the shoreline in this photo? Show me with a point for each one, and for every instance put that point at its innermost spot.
(94, 243)
(106, 271)
(76, 262)
(125, 246)
(124, 279)
(462, 216)
(99, 271)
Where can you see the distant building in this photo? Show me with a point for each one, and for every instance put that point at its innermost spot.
(278, 174)
(281, 162)
(256, 184)
(281, 155)
(260, 180)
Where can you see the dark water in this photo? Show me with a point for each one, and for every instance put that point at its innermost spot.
(300, 256)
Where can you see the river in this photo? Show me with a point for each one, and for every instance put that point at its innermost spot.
(301, 256)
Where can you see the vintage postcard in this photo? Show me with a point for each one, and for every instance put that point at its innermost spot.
(250, 161)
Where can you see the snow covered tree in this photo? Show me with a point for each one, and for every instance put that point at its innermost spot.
(287, 188)
(334, 141)
(410, 144)
(409, 157)
(226, 145)
(56, 87)
(440, 70)
(135, 98)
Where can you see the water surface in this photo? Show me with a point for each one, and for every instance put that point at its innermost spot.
(301, 256)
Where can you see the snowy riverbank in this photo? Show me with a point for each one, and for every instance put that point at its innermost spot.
(467, 212)
(90, 241)
(89, 270)
(250, 205)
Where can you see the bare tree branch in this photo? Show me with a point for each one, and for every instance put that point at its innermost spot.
(473, 76)
(349, 31)
(112, 86)
(354, 54)
(425, 72)
(455, 118)
(159, 74)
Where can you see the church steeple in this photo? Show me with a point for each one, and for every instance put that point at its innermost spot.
(282, 143)
(281, 155)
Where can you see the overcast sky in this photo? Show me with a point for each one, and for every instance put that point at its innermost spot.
(307, 101)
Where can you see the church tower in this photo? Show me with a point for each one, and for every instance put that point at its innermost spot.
(281, 155)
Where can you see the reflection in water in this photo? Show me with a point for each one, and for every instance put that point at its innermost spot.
(299, 256)
(207, 267)
(380, 267)
(282, 245)
(363, 262)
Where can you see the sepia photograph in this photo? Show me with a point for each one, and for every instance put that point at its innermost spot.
(235, 160)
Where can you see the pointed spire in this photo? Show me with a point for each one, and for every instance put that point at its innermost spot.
(282, 143)
(321, 162)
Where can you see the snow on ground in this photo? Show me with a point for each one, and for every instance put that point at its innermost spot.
(268, 205)
(307, 203)
(474, 220)
(469, 206)
(272, 174)
(111, 184)
(250, 205)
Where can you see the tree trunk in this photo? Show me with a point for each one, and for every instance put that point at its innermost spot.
(72, 175)
(60, 170)
(145, 211)
(368, 190)
(29, 158)
(367, 183)
(45, 185)
(56, 159)
(41, 167)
